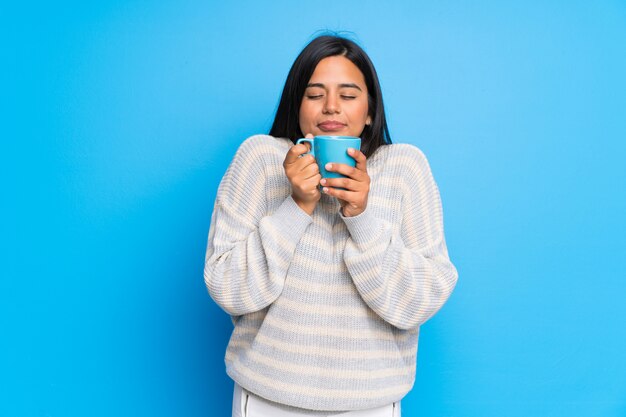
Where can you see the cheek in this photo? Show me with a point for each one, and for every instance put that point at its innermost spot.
(305, 114)
(365, 112)
(360, 112)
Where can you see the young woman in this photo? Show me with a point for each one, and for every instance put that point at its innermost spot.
(327, 280)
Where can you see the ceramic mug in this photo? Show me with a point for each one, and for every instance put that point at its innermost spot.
(333, 149)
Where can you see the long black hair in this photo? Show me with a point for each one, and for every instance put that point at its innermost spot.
(286, 123)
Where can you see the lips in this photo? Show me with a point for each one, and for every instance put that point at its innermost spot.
(331, 126)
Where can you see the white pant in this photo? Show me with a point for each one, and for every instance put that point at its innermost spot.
(246, 404)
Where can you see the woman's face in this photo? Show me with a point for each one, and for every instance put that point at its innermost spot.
(335, 100)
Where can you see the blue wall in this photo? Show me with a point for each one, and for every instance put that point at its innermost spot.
(119, 119)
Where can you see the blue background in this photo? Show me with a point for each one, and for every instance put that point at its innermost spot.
(120, 117)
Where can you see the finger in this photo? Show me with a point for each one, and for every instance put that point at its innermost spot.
(346, 183)
(308, 144)
(305, 162)
(314, 179)
(295, 151)
(361, 160)
(347, 170)
(310, 171)
(349, 197)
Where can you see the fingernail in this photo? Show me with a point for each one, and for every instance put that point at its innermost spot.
(329, 166)
(325, 190)
(323, 181)
(350, 151)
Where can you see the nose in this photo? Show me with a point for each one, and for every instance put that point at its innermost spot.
(331, 105)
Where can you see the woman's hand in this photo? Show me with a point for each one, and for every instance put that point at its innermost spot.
(353, 199)
(304, 176)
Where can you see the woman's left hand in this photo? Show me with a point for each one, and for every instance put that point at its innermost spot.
(353, 199)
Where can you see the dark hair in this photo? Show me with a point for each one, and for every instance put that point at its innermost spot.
(286, 123)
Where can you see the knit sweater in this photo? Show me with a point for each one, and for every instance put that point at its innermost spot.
(326, 308)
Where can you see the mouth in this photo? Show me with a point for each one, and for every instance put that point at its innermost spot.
(331, 126)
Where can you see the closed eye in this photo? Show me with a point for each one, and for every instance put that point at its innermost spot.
(348, 97)
(314, 97)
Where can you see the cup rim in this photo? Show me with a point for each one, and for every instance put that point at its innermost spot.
(336, 137)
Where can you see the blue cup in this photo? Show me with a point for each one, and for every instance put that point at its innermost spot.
(333, 149)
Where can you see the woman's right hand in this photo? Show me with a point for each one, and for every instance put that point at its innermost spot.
(304, 176)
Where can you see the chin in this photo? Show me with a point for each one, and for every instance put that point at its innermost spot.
(335, 133)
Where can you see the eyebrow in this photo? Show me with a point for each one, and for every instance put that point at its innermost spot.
(345, 85)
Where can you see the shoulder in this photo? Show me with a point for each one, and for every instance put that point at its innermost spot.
(263, 146)
(403, 157)
(409, 167)
(406, 150)
(257, 153)
(257, 158)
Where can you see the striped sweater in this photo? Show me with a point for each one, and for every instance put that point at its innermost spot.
(326, 308)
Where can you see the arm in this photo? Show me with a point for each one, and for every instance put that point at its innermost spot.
(249, 250)
(404, 277)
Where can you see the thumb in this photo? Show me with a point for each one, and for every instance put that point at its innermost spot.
(309, 136)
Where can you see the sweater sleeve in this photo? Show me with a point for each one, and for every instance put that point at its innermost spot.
(405, 277)
(249, 250)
